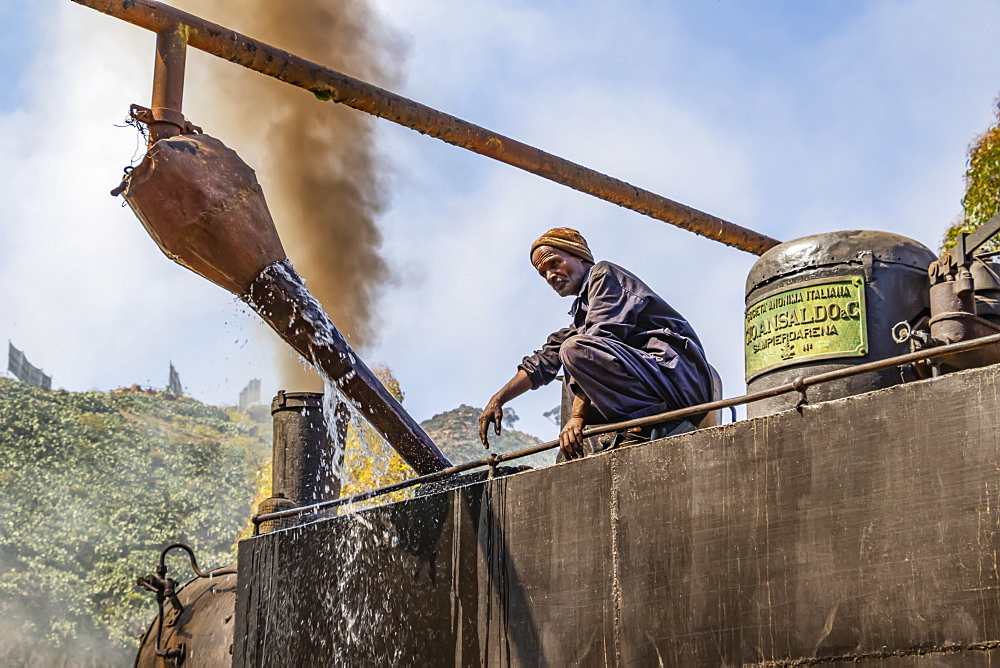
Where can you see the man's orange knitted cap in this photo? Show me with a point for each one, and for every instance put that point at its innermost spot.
(567, 239)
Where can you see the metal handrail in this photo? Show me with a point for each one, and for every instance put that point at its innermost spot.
(799, 384)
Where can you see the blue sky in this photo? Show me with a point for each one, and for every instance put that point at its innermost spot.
(19, 21)
(787, 117)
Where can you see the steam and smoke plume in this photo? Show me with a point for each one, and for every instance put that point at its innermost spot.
(317, 162)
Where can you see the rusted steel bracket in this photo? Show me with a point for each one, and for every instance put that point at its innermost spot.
(166, 590)
(173, 25)
(967, 244)
(163, 115)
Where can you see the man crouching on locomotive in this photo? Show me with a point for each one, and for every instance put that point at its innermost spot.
(626, 355)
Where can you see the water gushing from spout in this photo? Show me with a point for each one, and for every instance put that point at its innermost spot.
(280, 297)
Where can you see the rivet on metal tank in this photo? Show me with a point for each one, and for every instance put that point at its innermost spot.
(829, 301)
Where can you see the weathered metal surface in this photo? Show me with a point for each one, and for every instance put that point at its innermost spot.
(470, 596)
(168, 84)
(328, 84)
(865, 528)
(203, 207)
(967, 244)
(306, 456)
(975, 655)
(835, 248)
(893, 271)
(274, 504)
(205, 626)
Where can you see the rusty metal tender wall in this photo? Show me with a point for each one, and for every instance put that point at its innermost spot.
(864, 528)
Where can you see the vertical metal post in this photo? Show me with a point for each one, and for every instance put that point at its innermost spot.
(168, 83)
(303, 468)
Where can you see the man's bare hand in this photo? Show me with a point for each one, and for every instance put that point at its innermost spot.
(571, 438)
(493, 413)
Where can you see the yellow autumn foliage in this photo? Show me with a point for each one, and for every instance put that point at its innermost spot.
(982, 186)
(369, 462)
(262, 490)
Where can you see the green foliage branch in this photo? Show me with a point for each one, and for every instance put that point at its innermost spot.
(982, 186)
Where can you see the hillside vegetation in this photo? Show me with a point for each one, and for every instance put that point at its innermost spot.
(456, 432)
(94, 486)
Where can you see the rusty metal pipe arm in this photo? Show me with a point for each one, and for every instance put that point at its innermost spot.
(203, 207)
(328, 84)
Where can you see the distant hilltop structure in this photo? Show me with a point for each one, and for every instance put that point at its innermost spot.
(249, 395)
(25, 371)
(174, 386)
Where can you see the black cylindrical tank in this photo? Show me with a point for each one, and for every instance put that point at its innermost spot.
(303, 468)
(829, 301)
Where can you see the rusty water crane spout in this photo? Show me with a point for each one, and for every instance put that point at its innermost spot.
(204, 208)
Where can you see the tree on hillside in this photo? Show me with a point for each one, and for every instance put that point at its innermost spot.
(982, 185)
(456, 432)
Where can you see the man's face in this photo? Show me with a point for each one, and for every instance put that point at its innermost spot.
(563, 271)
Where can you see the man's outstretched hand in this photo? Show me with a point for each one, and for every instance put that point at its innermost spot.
(571, 438)
(493, 413)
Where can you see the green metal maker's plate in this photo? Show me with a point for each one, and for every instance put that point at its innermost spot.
(816, 320)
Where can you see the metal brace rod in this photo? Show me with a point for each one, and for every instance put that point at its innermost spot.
(967, 243)
(328, 84)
